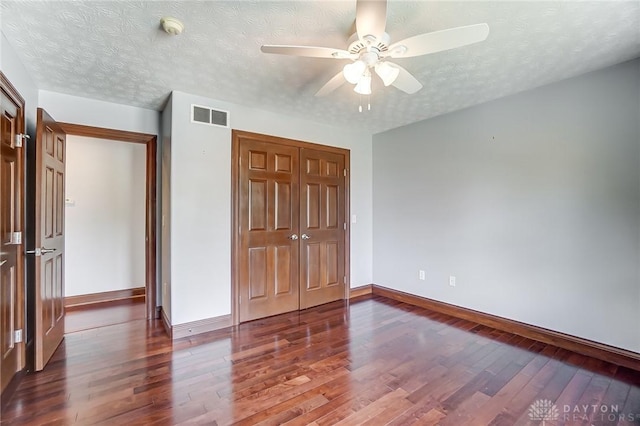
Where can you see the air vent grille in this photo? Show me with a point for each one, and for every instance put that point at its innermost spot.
(206, 115)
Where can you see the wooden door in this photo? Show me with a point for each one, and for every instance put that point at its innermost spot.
(11, 233)
(49, 237)
(322, 227)
(268, 251)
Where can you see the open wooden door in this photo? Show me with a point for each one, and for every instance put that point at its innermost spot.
(12, 356)
(49, 238)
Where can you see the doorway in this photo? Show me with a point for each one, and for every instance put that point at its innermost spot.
(104, 224)
(150, 222)
(45, 209)
(290, 234)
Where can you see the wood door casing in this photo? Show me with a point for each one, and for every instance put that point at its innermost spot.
(49, 235)
(322, 227)
(332, 277)
(12, 356)
(268, 262)
(150, 141)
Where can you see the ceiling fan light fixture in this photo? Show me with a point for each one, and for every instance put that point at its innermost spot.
(387, 72)
(354, 71)
(370, 47)
(364, 85)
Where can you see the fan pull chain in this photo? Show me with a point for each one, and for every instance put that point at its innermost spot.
(368, 103)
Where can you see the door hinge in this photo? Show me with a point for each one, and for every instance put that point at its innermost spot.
(20, 137)
(344, 225)
(17, 336)
(16, 238)
(345, 172)
(344, 279)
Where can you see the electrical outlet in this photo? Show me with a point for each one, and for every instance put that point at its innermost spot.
(452, 281)
(421, 275)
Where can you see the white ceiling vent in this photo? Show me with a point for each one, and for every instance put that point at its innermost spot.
(210, 116)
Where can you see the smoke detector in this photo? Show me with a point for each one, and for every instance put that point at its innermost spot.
(171, 26)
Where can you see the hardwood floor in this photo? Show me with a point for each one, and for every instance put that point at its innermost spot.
(374, 361)
(103, 314)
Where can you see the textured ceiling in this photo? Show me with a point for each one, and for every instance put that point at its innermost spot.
(115, 51)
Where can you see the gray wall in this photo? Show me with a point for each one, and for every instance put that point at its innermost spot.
(93, 112)
(531, 201)
(200, 208)
(165, 209)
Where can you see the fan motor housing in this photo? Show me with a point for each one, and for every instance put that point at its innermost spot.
(356, 45)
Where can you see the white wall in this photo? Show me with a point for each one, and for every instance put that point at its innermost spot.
(104, 215)
(165, 210)
(201, 200)
(21, 80)
(531, 201)
(91, 112)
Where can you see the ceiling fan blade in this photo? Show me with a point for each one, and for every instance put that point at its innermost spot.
(335, 82)
(438, 41)
(371, 18)
(309, 51)
(406, 82)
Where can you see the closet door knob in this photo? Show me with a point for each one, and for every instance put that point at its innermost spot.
(305, 237)
(294, 237)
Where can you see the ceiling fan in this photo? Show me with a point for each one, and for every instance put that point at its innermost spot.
(370, 49)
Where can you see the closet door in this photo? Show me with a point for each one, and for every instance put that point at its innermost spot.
(322, 227)
(268, 204)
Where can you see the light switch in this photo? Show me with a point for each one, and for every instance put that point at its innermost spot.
(353, 218)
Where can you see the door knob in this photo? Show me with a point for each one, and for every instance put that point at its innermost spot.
(305, 237)
(293, 237)
(40, 251)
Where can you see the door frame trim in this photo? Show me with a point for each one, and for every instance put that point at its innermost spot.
(10, 90)
(236, 135)
(151, 142)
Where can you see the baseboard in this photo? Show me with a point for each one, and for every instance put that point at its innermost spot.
(360, 291)
(166, 323)
(107, 296)
(187, 329)
(579, 345)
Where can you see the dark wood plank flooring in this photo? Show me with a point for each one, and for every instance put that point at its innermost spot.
(103, 314)
(372, 361)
